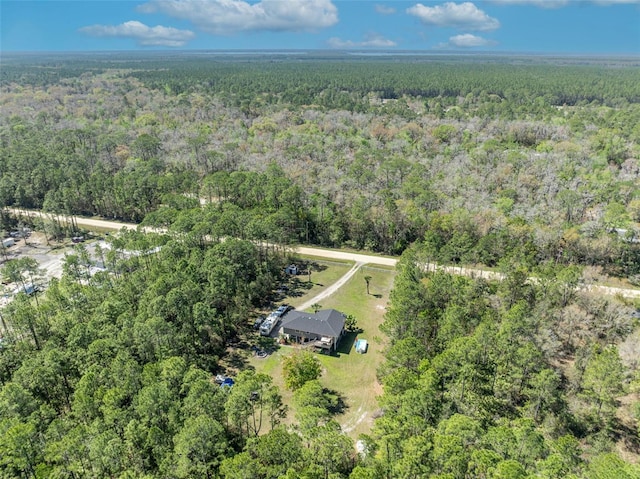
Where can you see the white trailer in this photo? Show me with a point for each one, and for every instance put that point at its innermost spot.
(8, 242)
(269, 324)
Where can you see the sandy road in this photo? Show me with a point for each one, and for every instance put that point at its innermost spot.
(358, 258)
(79, 220)
(343, 255)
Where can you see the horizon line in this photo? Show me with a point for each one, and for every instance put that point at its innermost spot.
(285, 51)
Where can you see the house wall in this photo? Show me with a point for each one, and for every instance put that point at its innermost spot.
(301, 334)
(311, 336)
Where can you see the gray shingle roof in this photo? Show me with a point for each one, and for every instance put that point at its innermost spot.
(327, 322)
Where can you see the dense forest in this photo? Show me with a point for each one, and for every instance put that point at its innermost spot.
(527, 165)
(493, 158)
(499, 381)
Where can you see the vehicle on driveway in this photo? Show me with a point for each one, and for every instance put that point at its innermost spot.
(282, 310)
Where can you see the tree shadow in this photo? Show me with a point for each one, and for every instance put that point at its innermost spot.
(338, 404)
(299, 287)
(626, 434)
(314, 266)
(265, 343)
(236, 360)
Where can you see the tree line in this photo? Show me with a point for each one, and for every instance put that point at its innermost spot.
(110, 374)
(477, 381)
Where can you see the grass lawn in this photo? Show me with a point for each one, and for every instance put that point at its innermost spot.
(351, 375)
(323, 274)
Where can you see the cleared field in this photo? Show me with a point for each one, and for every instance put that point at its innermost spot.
(351, 375)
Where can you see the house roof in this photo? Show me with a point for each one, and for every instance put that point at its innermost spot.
(327, 322)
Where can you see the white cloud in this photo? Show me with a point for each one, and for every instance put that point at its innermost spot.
(143, 34)
(224, 17)
(537, 3)
(614, 2)
(467, 40)
(384, 9)
(458, 15)
(562, 3)
(371, 40)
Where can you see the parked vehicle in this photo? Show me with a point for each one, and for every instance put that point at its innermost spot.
(269, 324)
(258, 322)
(282, 310)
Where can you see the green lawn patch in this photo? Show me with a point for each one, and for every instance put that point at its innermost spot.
(323, 275)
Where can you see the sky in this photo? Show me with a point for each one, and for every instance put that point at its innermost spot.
(582, 27)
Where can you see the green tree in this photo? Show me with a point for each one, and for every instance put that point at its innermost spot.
(147, 146)
(20, 448)
(200, 446)
(298, 368)
(509, 469)
(544, 392)
(253, 401)
(351, 323)
(314, 406)
(602, 381)
(240, 466)
(278, 453)
(610, 466)
(331, 450)
(24, 271)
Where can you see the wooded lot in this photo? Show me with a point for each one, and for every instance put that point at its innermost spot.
(525, 165)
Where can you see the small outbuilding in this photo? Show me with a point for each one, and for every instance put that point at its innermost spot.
(292, 269)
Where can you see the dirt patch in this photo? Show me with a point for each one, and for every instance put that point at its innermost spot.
(351, 425)
(377, 388)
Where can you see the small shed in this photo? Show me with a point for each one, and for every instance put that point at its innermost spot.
(292, 269)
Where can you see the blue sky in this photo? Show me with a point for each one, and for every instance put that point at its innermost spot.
(535, 26)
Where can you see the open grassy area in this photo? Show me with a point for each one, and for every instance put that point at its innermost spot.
(323, 274)
(351, 375)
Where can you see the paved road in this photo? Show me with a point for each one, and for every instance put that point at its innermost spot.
(333, 254)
